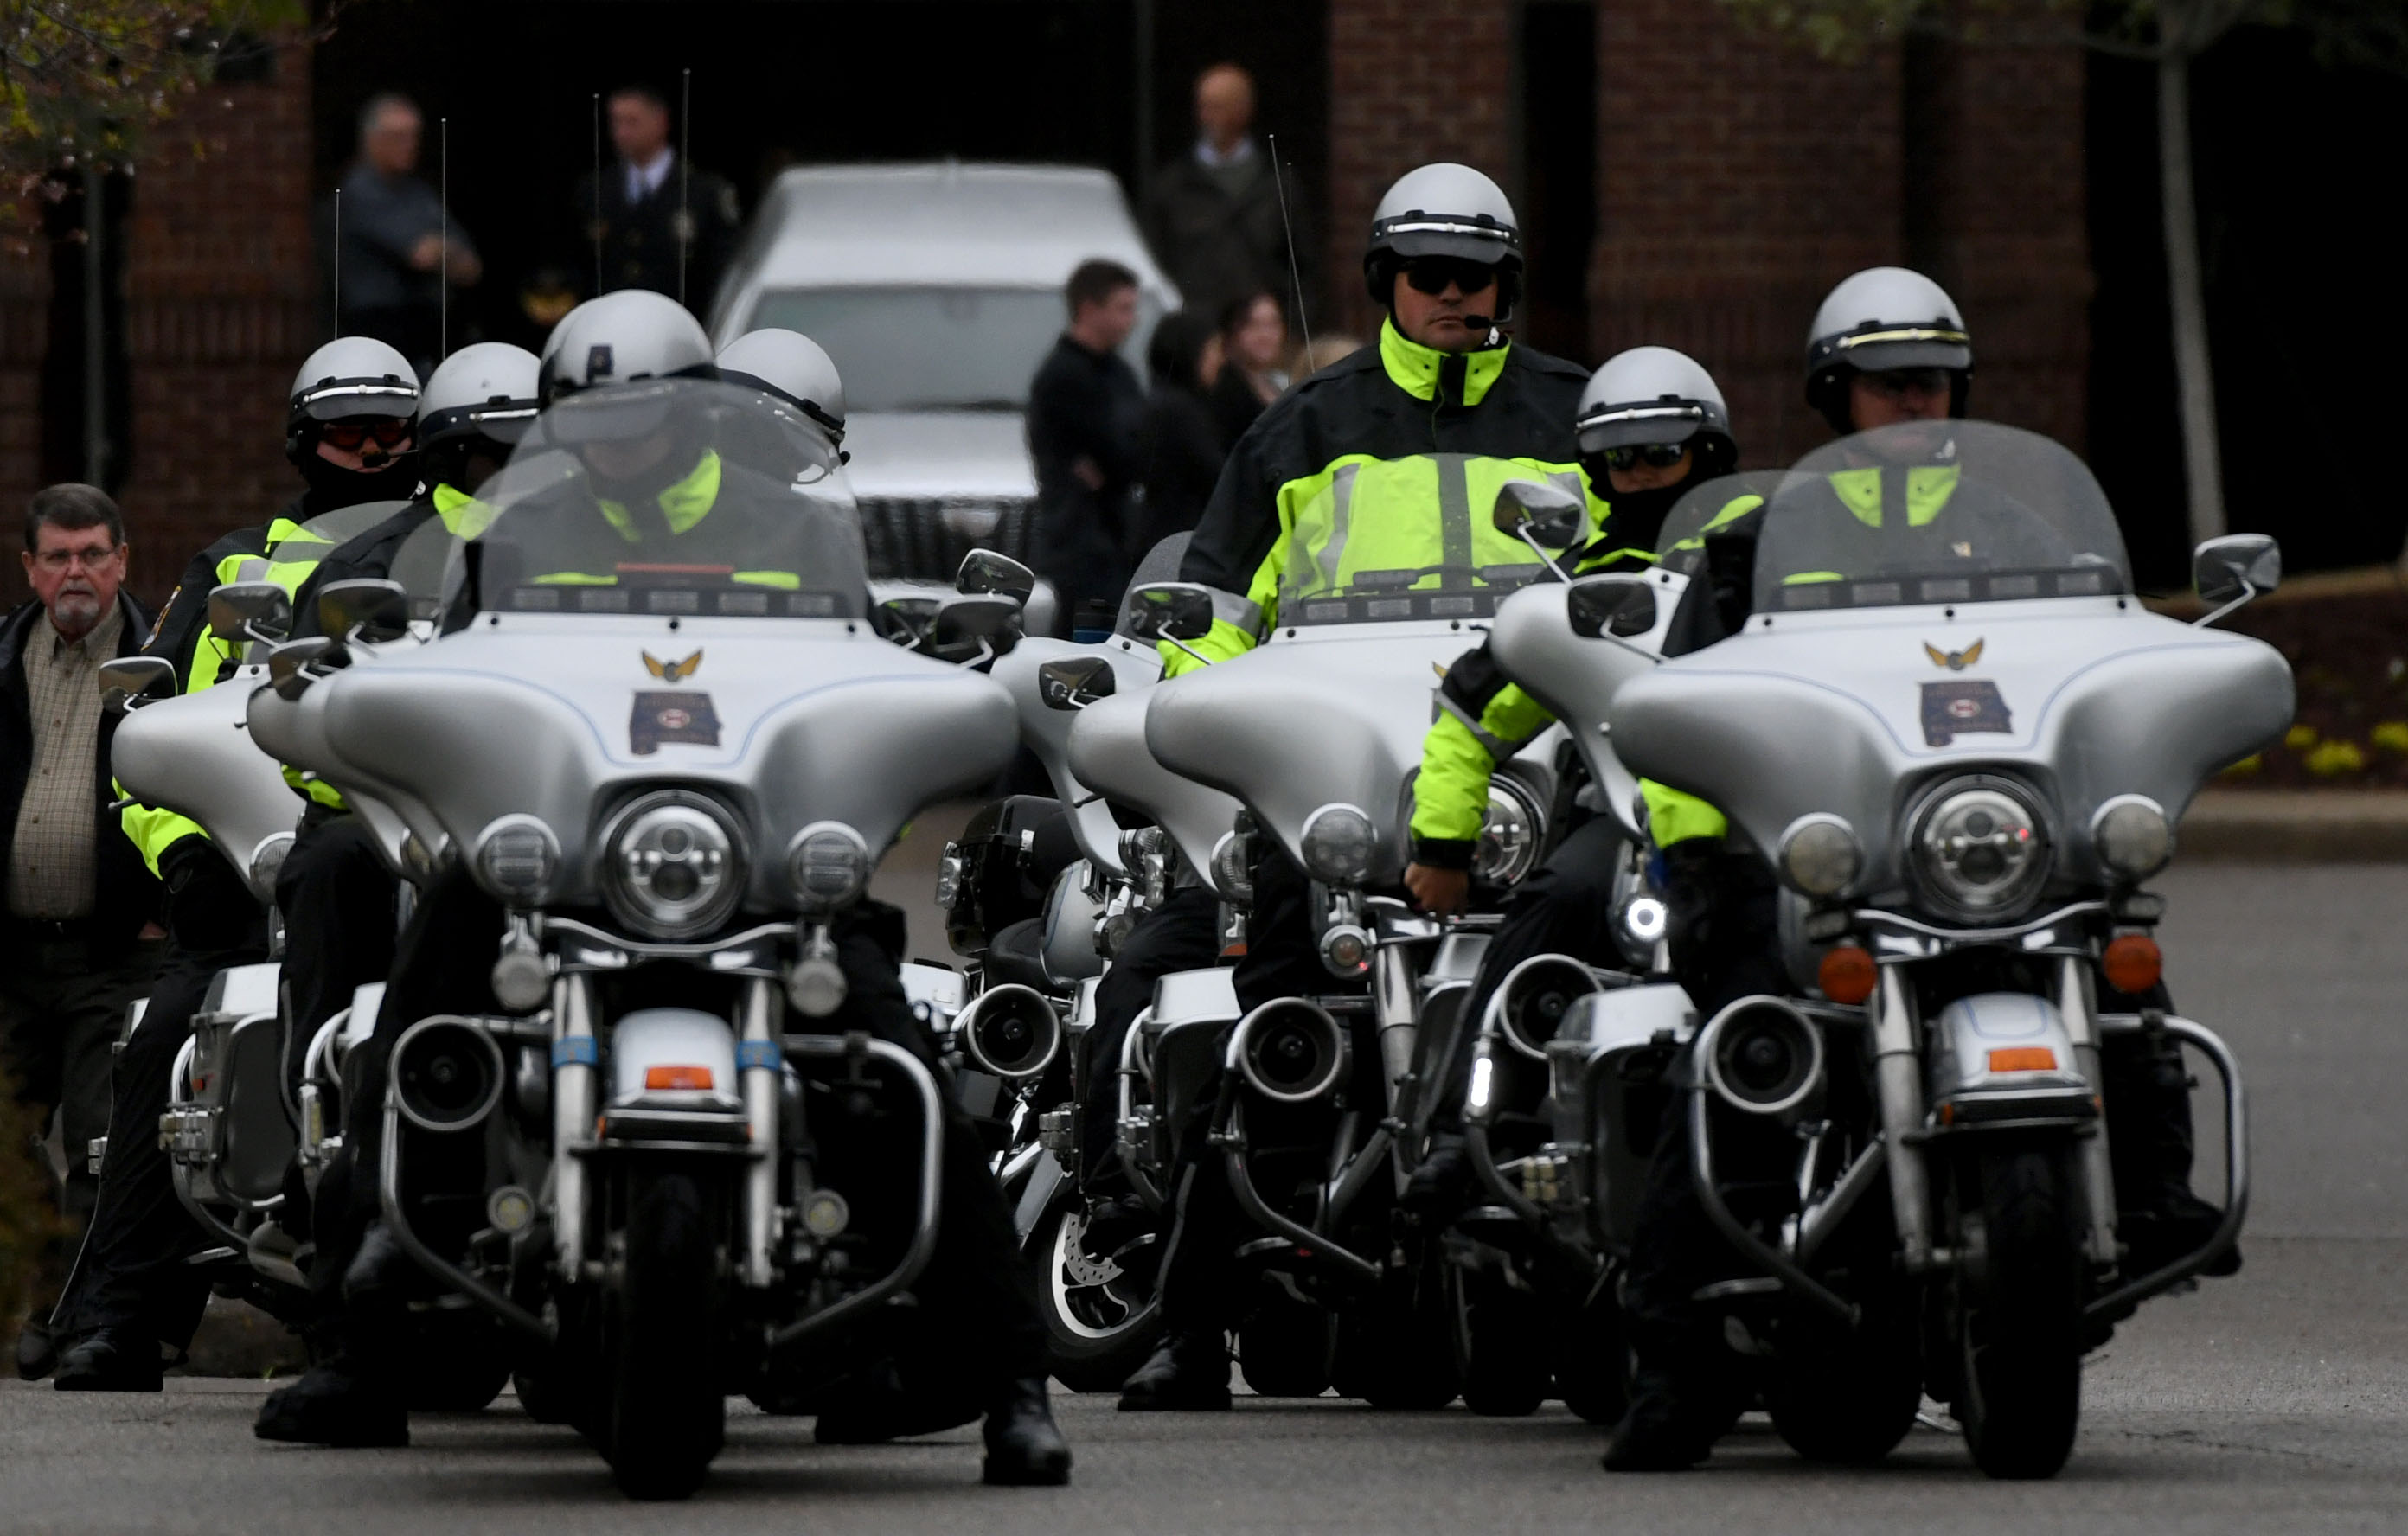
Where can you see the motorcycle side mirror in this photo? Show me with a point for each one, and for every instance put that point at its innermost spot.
(974, 617)
(250, 610)
(904, 620)
(983, 571)
(127, 683)
(1540, 513)
(1611, 605)
(288, 665)
(2236, 567)
(1169, 610)
(1073, 682)
(365, 609)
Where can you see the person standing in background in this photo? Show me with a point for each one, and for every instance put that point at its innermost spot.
(1181, 446)
(652, 210)
(1254, 344)
(393, 253)
(78, 938)
(1212, 215)
(1086, 407)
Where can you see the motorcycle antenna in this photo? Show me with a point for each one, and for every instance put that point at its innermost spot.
(597, 194)
(685, 176)
(443, 260)
(1294, 277)
(337, 327)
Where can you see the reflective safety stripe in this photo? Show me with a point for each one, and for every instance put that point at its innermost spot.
(1455, 517)
(1497, 750)
(1811, 578)
(573, 579)
(1236, 612)
(1341, 499)
(784, 581)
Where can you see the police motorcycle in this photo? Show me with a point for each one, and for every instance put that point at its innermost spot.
(1327, 1096)
(672, 774)
(1965, 746)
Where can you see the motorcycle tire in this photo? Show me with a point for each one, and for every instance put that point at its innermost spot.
(1592, 1374)
(1396, 1353)
(1283, 1347)
(2020, 1399)
(1849, 1398)
(1502, 1346)
(1100, 1323)
(456, 1376)
(668, 1413)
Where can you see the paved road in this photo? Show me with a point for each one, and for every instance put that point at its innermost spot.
(2278, 1401)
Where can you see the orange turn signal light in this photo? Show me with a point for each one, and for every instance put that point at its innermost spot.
(678, 1077)
(2024, 1058)
(2133, 962)
(1847, 974)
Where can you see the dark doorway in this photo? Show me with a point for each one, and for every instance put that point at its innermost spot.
(780, 83)
(2305, 338)
(1558, 197)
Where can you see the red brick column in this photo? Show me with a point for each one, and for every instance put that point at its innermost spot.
(1410, 81)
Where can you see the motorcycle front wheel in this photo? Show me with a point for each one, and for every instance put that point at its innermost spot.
(668, 1411)
(2020, 1327)
(1100, 1319)
(1501, 1346)
(1283, 1347)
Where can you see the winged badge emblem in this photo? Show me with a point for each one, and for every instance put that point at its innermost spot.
(1956, 661)
(678, 671)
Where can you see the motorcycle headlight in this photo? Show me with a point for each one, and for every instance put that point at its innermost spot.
(1820, 856)
(827, 864)
(516, 860)
(1339, 843)
(672, 865)
(1233, 867)
(1509, 833)
(1979, 850)
(2132, 835)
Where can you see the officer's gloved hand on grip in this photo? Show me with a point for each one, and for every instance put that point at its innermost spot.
(209, 906)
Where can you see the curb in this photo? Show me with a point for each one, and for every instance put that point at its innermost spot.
(2297, 827)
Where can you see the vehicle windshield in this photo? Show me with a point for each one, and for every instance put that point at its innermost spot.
(1680, 543)
(934, 348)
(1361, 547)
(1943, 512)
(671, 495)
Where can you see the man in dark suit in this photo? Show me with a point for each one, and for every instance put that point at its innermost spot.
(660, 223)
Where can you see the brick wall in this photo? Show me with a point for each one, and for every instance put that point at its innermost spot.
(1410, 81)
(220, 287)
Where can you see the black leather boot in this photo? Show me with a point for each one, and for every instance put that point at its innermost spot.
(334, 1404)
(1024, 1447)
(109, 1361)
(1187, 1372)
(1659, 1432)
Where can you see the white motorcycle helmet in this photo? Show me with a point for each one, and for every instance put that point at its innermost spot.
(1444, 210)
(350, 376)
(1654, 396)
(1884, 318)
(793, 367)
(621, 337)
(487, 389)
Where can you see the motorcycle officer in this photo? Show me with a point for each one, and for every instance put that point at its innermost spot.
(1887, 347)
(1394, 435)
(975, 1292)
(348, 434)
(796, 372)
(1652, 428)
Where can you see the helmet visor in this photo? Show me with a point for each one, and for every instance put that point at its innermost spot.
(1482, 240)
(1881, 349)
(333, 399)
(1640, 422)
(501, 421)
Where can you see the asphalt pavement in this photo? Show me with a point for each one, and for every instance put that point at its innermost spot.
(2277, 1400)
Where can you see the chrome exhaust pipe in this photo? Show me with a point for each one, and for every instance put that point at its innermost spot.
(447, 1074)
(1010, 1031)
(1529, 1005)
(1290, 1051)
(1763, 1056)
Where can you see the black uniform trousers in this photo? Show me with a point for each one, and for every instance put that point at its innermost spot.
(1565, 907)
(336, 898)
(1281, 960)
(132, 1274)
(1182, 934)
(978, 1299)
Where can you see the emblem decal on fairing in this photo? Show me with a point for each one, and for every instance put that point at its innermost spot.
(678, 671)
(1956, 661)
(672, 717)
(1951, 709)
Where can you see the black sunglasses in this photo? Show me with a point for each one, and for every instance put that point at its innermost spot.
(390, 431)
(1657, 455)
(1432, 274)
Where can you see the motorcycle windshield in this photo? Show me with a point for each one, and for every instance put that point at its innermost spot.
(672, 496)
(1380, 541)
(1930, 512)
(1706, 508)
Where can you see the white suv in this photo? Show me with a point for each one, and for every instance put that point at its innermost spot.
(938, 291)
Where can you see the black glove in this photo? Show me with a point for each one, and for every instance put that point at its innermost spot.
(209, 906)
